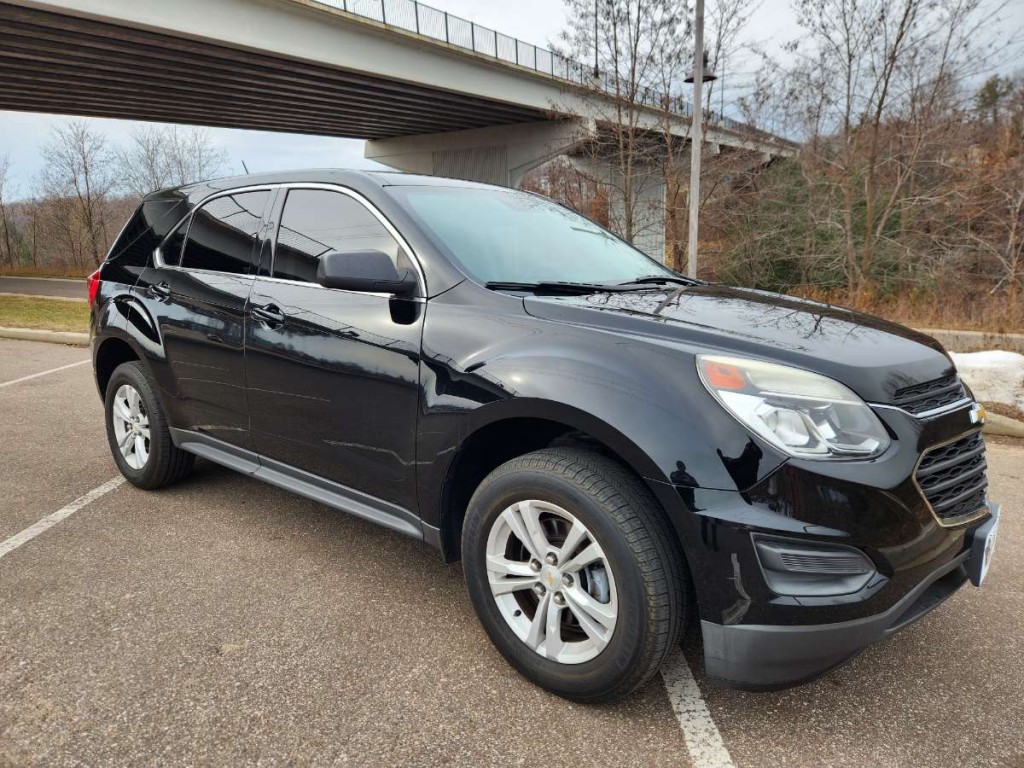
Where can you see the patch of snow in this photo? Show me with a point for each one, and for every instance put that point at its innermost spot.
(994, 376)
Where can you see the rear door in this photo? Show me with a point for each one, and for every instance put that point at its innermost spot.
(196, 296)
(333, 376)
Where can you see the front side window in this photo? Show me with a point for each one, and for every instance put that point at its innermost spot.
(223, 232)
(509, 236)
(315, 222)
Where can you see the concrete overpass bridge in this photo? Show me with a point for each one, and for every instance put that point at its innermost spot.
(428, 91)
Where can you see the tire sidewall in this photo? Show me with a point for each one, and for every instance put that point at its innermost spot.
(132, 374)
(602, 674)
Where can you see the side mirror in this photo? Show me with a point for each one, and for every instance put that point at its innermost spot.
(368, 271)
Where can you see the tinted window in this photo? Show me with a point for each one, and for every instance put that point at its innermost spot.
(170, 251)
(223, 231)
(144, 231)
(315, 222)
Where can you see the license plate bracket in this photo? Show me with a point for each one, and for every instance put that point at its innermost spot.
(983, 543)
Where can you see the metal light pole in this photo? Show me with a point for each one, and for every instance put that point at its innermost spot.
(701, 74)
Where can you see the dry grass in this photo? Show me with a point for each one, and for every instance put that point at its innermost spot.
(951, 310)
(1004, 409)
(47, 314)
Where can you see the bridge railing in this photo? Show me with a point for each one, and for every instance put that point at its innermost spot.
(429, 22)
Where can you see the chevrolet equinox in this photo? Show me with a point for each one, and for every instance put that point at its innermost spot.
(616, 453)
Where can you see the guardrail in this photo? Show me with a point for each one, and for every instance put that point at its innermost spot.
(435, 24)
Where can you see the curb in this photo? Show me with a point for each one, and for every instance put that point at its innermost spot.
(54, 337)
(1003, 426)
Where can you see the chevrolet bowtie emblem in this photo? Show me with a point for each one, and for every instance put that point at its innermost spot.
(978, 414)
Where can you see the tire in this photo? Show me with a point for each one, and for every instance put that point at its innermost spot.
(640, 577)
(149, 463)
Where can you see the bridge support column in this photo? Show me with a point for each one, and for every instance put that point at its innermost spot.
(501, 154)
(649, 194)
(645, 215)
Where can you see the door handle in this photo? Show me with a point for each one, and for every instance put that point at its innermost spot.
(270, 314)
(159, 291)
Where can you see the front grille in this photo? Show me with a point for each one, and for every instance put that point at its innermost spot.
(952, 477)
(931, 394)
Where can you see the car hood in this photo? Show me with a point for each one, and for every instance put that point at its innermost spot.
(871, 356)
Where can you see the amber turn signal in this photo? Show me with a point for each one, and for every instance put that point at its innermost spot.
(724, 375)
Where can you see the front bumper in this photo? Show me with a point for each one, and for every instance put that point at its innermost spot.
(763, 633)
(767, 657)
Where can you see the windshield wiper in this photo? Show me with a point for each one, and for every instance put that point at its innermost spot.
(655, 279)
(575, 289)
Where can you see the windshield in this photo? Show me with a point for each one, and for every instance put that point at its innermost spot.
(505, 236)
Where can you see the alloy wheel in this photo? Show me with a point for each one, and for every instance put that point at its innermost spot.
(551, 581)
(131, 426)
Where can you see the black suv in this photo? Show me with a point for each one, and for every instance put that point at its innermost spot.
(614, 451)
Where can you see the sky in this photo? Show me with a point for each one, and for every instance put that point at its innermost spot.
(533, 21)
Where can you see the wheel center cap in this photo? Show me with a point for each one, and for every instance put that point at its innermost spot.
(551, 578)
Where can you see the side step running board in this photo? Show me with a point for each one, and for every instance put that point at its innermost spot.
(298, 481)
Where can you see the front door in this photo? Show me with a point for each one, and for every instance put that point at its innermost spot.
(196, 298)
(333, 376)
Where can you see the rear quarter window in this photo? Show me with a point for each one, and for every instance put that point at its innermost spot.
(147, 227)
(132, 252)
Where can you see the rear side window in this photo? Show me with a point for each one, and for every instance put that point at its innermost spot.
(223, 233)
(315, 222)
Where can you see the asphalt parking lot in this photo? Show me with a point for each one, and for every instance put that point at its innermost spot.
(44, 286)
(226, 622)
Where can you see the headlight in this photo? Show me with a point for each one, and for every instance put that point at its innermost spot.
(802, 413)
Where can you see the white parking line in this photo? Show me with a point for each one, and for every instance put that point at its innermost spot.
(44, 373)
(703, 741)
(63, 513)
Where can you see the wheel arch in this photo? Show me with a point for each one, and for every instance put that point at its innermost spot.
(506, 432)
(111, 352)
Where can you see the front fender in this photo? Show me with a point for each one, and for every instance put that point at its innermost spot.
(642, 399)
(565, 414)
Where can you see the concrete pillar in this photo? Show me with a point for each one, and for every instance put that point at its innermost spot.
(500, 154)
(648, 207)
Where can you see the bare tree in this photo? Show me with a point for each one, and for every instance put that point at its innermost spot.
(560, 180)
(79, 170)
(874, 92)
(726, 23)
(142, 164)
(991, 180)
(164, 156)
(192, 155)
(628, 42)
(34, 212)
(8, 243)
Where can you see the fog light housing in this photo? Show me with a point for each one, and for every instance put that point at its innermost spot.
(804, 569)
